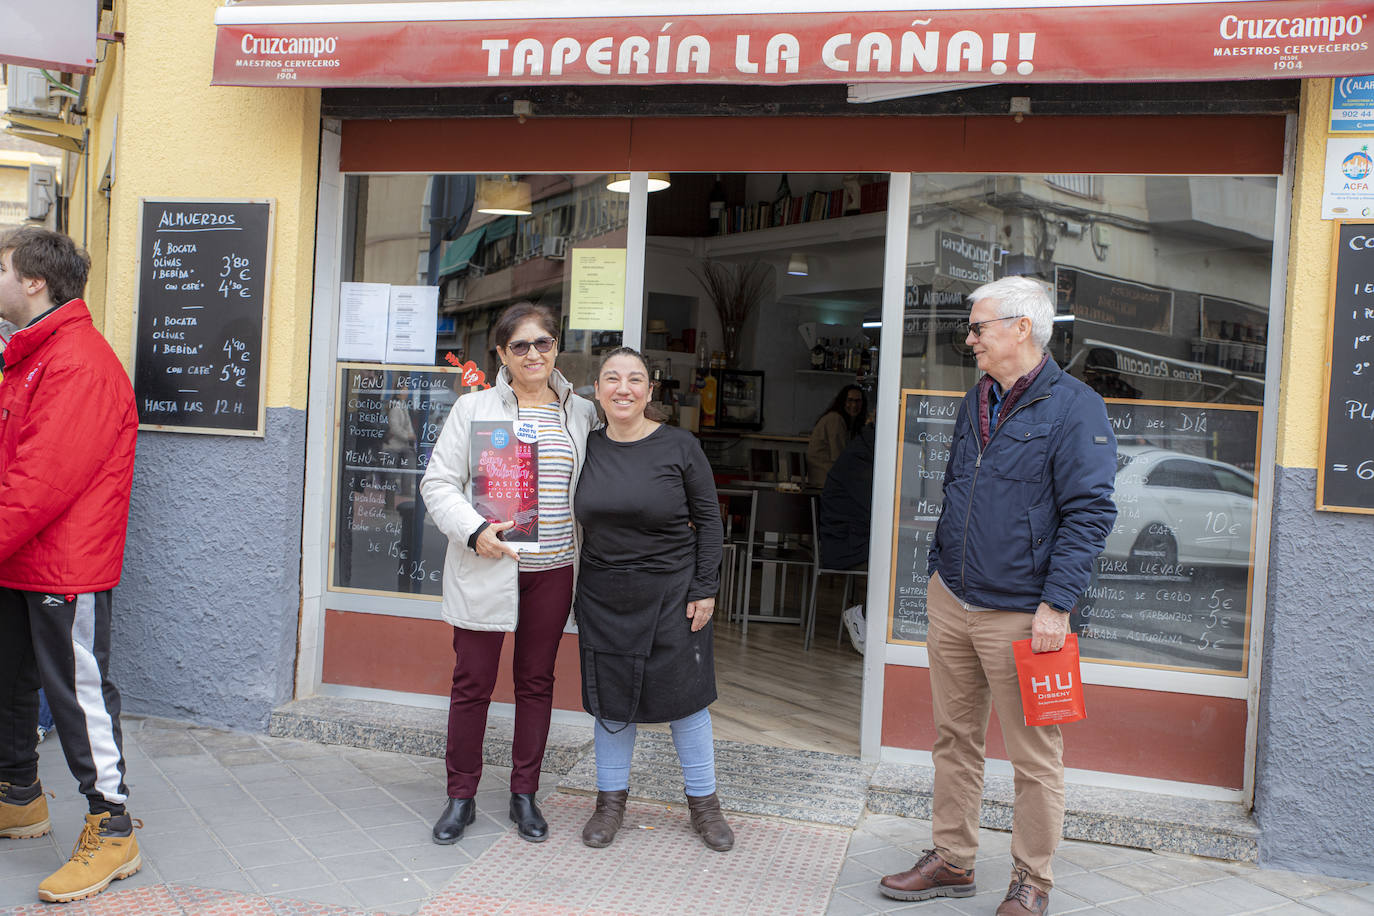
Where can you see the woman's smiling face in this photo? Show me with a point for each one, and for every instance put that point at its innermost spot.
(622, 388)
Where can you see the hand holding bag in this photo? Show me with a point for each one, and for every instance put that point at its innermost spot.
(1051, 683)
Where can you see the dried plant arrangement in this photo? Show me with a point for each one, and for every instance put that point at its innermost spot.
(735, 290)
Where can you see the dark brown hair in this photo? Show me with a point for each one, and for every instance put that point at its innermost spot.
(622, 351)
(512, 317)
(38, 253)
(852, 424)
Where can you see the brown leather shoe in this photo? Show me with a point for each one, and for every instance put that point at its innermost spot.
(930, 877)
(1024, 899)
(605, 822)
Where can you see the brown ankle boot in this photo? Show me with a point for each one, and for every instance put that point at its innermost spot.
(709, 823)
(605, 822)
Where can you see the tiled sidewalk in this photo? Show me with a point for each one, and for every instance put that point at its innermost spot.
(238, 823)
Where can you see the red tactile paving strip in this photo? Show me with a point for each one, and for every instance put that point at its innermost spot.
(656, 866)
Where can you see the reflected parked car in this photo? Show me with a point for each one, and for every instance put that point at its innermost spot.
(1178, 510)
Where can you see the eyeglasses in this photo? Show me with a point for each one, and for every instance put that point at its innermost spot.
(521, 347)
(965, 328)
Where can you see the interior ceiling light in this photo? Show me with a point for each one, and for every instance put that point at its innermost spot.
(620, 182)
(798, 265)
(503, 196)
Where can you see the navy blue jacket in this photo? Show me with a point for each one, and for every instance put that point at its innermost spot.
(1026, 516)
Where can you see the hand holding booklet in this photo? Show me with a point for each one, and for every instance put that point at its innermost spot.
(504, 466)
(1051, 683)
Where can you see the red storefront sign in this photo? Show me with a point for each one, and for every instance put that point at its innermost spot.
(269, 45)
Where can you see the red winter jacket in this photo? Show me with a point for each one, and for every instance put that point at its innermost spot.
(67, 432)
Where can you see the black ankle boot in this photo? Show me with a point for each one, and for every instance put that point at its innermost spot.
(458, 813)
(527, 817)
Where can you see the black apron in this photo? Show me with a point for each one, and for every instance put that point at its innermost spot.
(640, 660)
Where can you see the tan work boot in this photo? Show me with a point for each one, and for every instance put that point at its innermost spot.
(106, 850)
(23, 811)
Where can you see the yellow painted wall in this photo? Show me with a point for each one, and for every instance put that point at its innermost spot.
(180, 137)
(1306, 317)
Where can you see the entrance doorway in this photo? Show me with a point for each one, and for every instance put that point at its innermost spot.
(762, 299)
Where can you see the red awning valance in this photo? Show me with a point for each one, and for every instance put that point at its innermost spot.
(640, 42)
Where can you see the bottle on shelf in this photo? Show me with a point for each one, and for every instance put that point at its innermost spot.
(782, 202)
(716, 207)
(818, 355)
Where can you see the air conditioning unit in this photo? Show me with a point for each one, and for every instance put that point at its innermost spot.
(28, 92)
(556, 248)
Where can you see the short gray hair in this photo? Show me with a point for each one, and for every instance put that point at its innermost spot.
(1022, 296)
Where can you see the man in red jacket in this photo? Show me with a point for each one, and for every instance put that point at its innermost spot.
(67, 432)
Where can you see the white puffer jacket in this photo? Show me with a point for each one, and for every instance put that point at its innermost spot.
(480, 593)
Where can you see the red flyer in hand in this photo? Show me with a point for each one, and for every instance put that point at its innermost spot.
(505, 478)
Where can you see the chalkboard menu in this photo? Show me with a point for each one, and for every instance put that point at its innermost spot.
(1345, 477)
(389, 419)
(202, 312)
(1173, 586)
(923, 451)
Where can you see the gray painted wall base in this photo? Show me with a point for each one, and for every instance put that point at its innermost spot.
(206, 615)
(1164, 823)
(1314, 774)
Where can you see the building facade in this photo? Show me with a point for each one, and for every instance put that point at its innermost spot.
(1178, 215)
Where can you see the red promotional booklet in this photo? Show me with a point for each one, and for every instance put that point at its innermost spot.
(505, 478)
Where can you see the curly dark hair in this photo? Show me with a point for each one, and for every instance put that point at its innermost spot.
(853, 424)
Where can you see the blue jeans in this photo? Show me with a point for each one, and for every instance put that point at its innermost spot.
(691, 737)
(44, 712)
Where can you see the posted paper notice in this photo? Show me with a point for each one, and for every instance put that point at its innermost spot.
(597, 301)
(414, 316)
(363, 311)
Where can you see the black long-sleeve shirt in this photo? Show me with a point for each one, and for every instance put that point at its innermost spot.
(635, 501)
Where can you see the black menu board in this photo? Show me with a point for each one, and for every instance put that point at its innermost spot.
(202, 314)
(1345, 477)
(1172, 589)
(389, 420)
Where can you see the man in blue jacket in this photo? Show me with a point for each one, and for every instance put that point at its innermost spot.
(1027, 509)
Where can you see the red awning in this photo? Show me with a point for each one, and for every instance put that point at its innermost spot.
(643, 42)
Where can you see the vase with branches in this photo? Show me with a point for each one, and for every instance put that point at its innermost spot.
(735, 290)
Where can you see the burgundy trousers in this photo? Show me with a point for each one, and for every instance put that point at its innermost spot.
(545, 598)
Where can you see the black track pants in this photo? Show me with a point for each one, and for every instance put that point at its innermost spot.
(61, 642)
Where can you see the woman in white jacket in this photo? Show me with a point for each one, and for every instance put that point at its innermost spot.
(490, 589)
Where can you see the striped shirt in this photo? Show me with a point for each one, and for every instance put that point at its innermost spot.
(555, 484)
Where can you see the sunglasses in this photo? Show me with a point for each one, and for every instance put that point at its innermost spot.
(965, 328)
(521, 347)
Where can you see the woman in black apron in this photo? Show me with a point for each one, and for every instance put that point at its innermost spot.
(645, 595)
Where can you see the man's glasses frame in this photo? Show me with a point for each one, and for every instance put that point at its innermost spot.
(976, 327)
(521, 347)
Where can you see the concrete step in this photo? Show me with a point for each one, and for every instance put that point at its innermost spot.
(799, 785)
(809, 786)
(1120, 817)
(413, 730)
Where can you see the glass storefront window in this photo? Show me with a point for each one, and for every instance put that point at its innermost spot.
(1162, 288)
(430, 263)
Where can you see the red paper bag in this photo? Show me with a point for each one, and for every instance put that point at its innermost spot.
(1051, 685)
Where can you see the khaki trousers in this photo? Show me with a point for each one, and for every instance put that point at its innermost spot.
(971, 665)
